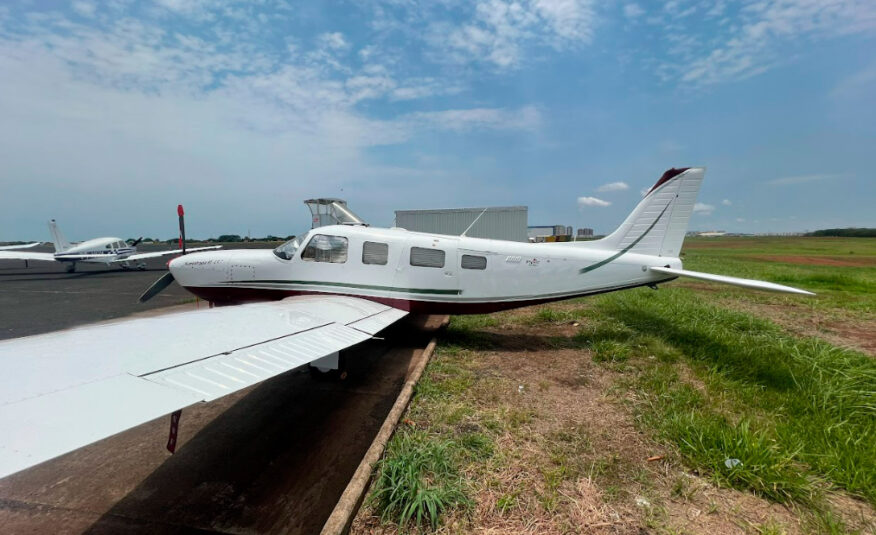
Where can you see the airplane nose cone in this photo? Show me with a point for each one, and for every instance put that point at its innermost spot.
(195, 268)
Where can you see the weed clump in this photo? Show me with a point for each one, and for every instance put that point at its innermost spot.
(419, 480)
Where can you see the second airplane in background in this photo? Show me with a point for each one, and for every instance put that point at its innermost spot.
(107, 251)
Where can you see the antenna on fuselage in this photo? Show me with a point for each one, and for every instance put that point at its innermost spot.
(473, 222)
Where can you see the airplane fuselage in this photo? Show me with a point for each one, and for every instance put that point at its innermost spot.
(417, 272)
(97, 251)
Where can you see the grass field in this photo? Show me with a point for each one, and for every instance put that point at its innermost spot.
(696, 408)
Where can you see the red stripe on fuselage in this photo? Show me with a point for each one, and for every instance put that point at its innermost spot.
(237, 295)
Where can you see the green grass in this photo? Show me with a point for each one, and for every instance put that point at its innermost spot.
(785, 406)
(419, 479)
(839, 288)
(708, 380)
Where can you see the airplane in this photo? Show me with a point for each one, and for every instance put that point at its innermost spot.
(23, 246)
(303, 302)
(107, 251)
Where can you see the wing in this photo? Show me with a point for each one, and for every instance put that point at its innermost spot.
(25, 246)
(61, 391)
(24, 255)
(735, 281)
(143, 256)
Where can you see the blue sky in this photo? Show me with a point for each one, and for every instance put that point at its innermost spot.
(114, 112)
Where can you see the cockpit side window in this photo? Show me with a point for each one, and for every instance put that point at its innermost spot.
(324, 248)
(288, 249)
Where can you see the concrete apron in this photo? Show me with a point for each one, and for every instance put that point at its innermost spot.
(274, 458)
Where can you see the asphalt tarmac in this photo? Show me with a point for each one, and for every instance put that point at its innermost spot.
(43, 297)
(273, 458)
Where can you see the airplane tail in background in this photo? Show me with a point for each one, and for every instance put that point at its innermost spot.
(61, 243)
(659, 223)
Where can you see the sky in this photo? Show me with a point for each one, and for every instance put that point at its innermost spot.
(112, 113)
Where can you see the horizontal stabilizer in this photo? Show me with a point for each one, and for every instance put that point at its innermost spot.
(26, 255)
(25, 246)
(736, 281)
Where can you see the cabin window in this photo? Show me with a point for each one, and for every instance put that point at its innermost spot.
(323, 248)
(474, 262)
(423, 257)
(375, 253)
(108, 246)
(288, 249)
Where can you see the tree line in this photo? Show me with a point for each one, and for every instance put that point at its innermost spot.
(846, 232)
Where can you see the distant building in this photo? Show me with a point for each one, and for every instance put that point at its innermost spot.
(549, 233)
(585, 232)
(496, 223)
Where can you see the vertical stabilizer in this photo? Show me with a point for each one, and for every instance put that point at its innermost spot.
(61, 243)
(659, 223)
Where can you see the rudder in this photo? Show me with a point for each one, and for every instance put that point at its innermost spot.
(657, 226)
(61, 243)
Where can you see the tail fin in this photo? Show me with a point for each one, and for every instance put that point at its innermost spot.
(61, 243)
(658, 224)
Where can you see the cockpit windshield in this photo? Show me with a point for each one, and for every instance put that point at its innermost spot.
(287, 250)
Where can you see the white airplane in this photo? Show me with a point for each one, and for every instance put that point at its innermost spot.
(107, 251)
(327, 290)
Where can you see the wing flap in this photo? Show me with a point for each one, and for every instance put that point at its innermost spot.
(221, 375)
(376, 323)
(735, 281)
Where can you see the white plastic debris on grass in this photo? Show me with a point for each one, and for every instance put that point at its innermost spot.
(732, 463)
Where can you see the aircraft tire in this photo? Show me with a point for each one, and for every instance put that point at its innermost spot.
(330, 375)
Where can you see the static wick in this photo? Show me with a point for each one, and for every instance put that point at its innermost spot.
(174, 431)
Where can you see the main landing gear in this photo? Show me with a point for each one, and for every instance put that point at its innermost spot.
(141, 266)
(71, 267)
(329, 368)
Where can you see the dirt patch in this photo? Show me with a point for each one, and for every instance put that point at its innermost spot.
(577, 462)
(837, 261)
(860, 335)
(851, 332)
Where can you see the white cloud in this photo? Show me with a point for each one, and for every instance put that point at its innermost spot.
(124, 103)
(497, 31)
(703, 208)
(527, 118)
(591, 201)
(752, 44)
(632, 11)
(740, 220)
(333, 41)
(727, 202)
(86, 9)
(613, 186)
(801, 179)
(860, 84)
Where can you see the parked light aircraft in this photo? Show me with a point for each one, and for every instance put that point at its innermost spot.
(107, 251)
(324, 291)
